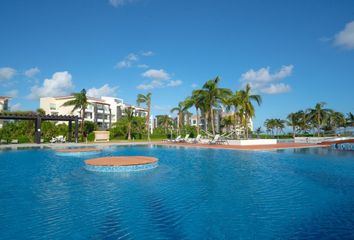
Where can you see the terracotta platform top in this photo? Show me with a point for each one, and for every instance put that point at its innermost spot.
(78, 150)
(121, 161)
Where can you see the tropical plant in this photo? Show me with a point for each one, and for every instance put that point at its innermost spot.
(181, 110)
(318, 115)
(80, 102)
(350, 120)
(227, 122)
(213, 97)
(129, 116)
(258, 131)
(234, 102)
(147, 100)
(195, 100)
(336, 120)
(40, 111)
(294, 121)
(165, 121)
(246, 105)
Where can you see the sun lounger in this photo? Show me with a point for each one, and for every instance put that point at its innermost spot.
(185, 139)
(177, 139)
(3, 141)
(218, 140)
(14, 141)
(196, 140)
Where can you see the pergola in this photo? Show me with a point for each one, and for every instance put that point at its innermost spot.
(37, 118)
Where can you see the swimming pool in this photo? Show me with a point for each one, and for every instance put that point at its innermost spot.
(192, 194)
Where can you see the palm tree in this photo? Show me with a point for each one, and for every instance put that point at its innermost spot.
(270, 125)
(181, 110)
(294, 120)
(147, 100)
(164, 121)
(227, 121)
(350, 119)
(247, 108)
(258, 131)
(213, 96)
(234, 101)
(79, 102)
(195, 100)
(318, 115)
(129, 116)
(336, 120)
(280, 125)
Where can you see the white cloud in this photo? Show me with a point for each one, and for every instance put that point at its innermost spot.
(12, 93)
(194, 85)
(16, 107)
(105, 90)
(156, 74)
(6, 73)
(264, 74)
(174, 83)
(345, 38)
(148, 53)
(32, 72)
(118, 3)
(128, 61)
(59, 84)
(276, 88)
(143, 66)
(262, 80)
(159, 79)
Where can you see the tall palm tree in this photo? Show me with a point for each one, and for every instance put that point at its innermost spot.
(318, 115)
(213, 96)
(280, 125)
(129, 116)
(79, 102)
(270, 125)
(246, 99)
(196, 100)
(294, 121)
(336, 120)
(181, 110)
(234, 102)
(164, 121)
(147, 100)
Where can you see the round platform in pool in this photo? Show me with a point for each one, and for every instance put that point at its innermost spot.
(121, 164)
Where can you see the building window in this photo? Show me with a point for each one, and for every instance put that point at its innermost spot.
(194, 122)
(52, 106)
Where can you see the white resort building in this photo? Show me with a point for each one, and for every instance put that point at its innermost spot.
(4, 107)
(103, 111)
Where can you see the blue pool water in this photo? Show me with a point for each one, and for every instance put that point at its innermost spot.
(192, 194)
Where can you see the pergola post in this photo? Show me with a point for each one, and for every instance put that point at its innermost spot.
(37, 124)
(76, 129)
(70, 131)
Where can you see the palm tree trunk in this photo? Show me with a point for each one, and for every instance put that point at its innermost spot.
(235, 122)
(212, 120)
(246, 125)
(294, 132)
(148, 122)
(82, 124)
(197, 120)
(129, 132)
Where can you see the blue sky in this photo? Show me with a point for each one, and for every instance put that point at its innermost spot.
(294, 53)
